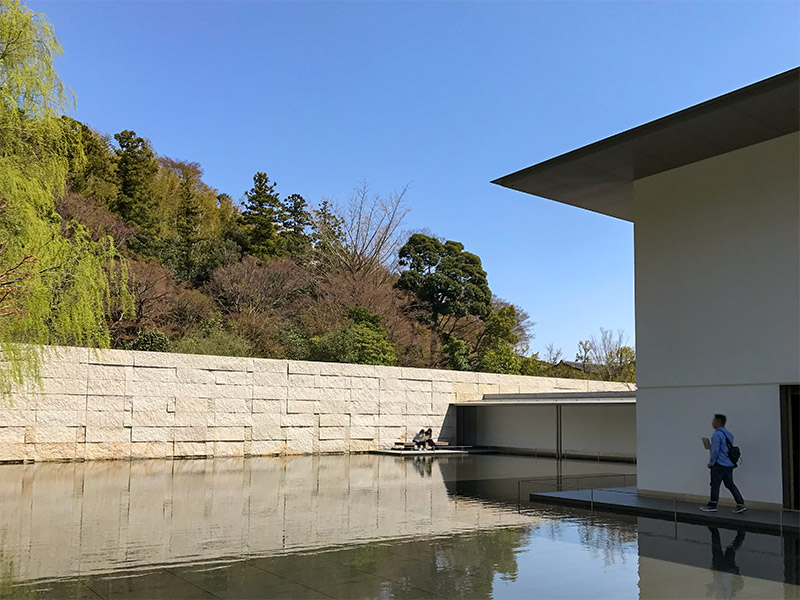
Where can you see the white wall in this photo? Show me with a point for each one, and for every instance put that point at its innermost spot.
(587, 429)
(608, 429)
(717, 248)
(671, 421)
(524, 427)
(119, 404)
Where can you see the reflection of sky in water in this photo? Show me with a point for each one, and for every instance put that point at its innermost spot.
(353, 526)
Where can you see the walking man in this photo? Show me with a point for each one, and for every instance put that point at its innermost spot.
(722, 466)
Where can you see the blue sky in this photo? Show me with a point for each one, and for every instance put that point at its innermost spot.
(443, 97)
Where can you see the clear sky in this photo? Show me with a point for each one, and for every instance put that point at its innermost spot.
(443, 97)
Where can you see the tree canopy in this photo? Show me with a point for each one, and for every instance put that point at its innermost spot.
(447, 282)
(56, 282)
(104, 242)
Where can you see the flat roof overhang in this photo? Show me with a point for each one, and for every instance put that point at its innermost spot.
(599, 177)
(552, 398)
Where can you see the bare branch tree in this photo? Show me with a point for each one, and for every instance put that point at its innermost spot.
(611, 355)
(552, 354)
(252, 285)
(367, 238)
(584, 354)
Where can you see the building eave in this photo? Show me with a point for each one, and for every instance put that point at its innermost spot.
(599, 177)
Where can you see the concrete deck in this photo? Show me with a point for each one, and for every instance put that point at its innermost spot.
(627, 500)
(449, 451)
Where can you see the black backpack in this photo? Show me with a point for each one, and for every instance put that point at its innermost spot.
(734, 453)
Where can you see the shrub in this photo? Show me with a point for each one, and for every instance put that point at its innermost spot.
(151, 341)
(361, 340)
(500, 359)
(211, 338)
(456, 354)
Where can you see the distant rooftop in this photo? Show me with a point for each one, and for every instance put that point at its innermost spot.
(599, 177)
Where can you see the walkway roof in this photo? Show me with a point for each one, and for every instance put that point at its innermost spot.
(552, 398)
(599, 177)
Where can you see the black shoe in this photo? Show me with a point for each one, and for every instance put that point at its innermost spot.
(740, 508)
(709, 508)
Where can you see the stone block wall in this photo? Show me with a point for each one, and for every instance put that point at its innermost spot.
(119, 404)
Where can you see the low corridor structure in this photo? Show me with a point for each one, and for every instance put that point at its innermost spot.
(579, 425)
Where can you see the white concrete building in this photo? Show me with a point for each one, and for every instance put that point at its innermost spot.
(713, 192)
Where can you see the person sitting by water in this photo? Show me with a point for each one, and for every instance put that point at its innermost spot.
(427, 440)
(418, 443)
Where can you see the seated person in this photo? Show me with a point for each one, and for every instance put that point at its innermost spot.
(427, 439)
(418, 443)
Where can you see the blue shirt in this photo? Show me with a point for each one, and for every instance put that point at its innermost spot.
(719, 448)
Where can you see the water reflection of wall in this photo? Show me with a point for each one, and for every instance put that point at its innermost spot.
(66, 519)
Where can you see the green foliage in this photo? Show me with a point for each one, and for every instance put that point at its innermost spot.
(499, 329)
(28, 48)
(296, 222)
(266, 279)
(533, 367)
(201, 259)
(232, 226)
(457, 353)
(360, 315)
(447, 282)
(500, 359)
(327, 234)
(55, 281)
(151, 341)
(188, 226)
(584, 354)
(624, 364)
(190, 212)
(211, 337)
(92, 162)
(136, 171)
(361, 340)
(609, 358)
(495, 347)
(263, 213)
(296, 343)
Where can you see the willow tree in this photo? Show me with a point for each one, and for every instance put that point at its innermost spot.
(56, 284)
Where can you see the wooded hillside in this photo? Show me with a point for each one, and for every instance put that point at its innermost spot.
(105, 242)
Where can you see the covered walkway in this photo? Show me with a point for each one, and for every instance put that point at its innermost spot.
(579, 425)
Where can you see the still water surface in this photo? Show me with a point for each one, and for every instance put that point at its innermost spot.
(359, 526)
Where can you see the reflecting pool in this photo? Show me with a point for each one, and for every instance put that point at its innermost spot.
(358, 526)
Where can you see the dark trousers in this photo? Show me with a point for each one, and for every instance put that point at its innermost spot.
(720, 475)
(725, 560)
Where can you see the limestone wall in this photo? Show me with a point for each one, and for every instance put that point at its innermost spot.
(117, 404)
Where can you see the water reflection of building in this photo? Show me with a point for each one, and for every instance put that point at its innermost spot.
(713, 562)
(78, 518)
(442, 525)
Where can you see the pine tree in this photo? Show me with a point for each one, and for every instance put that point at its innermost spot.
(327, 232)
(136, 171)
(189, 212)
(296, 221)
(188, 224)
(264, 214)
